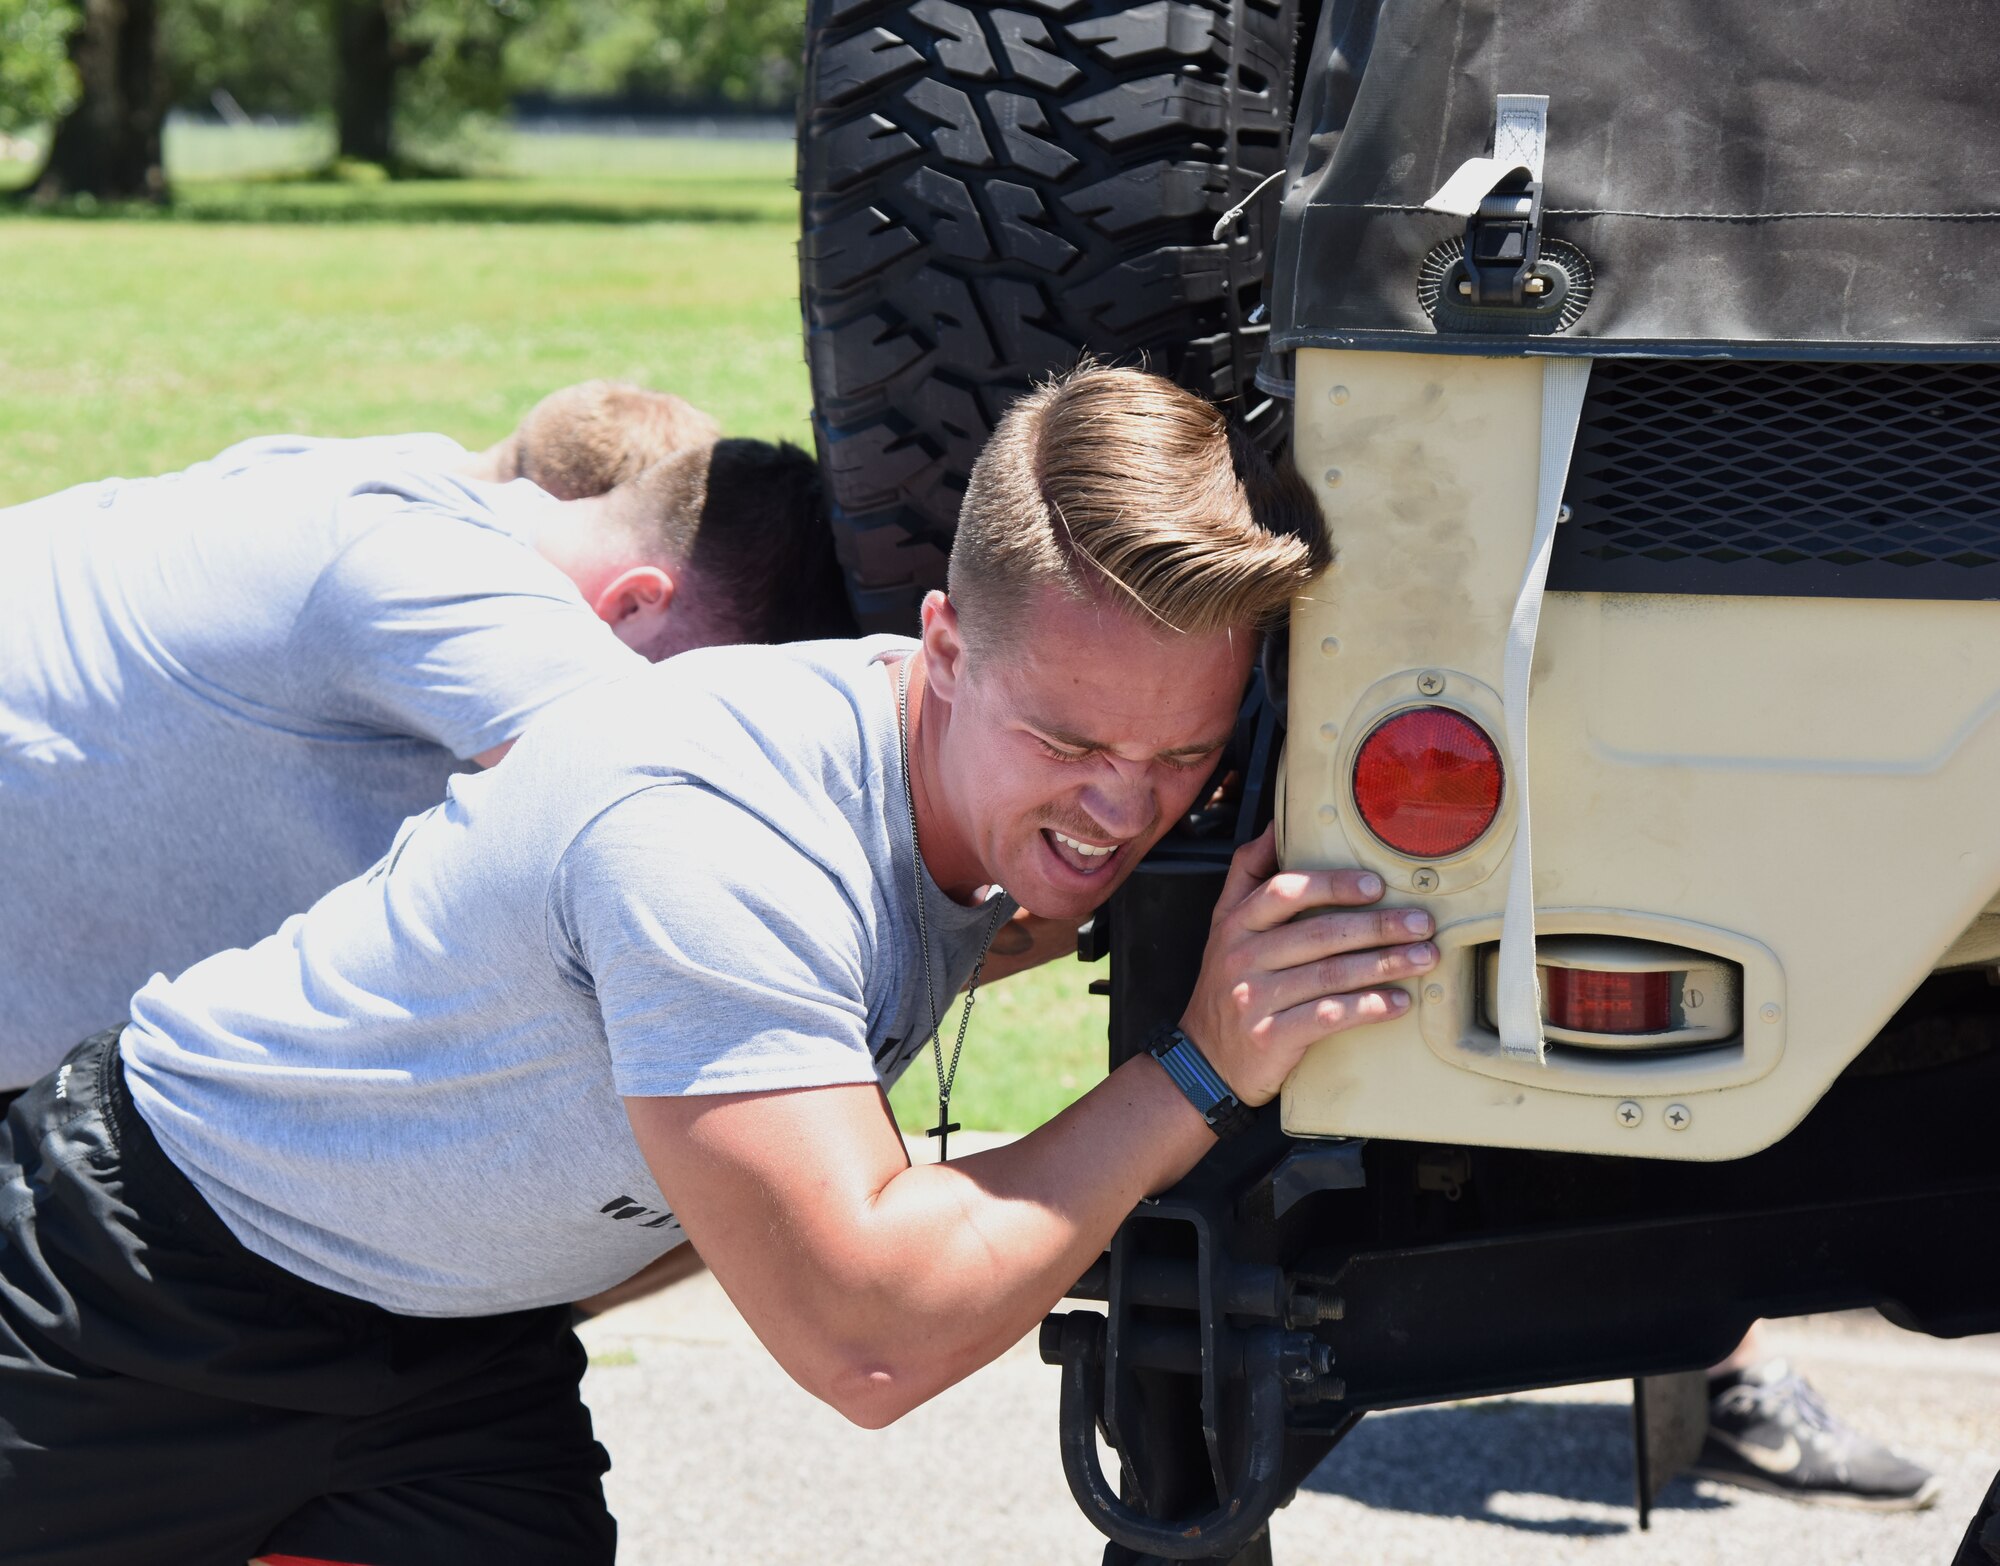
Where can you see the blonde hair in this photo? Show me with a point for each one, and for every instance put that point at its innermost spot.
(1117, 484)
(589, 438)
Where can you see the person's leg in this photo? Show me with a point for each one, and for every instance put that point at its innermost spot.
(497, 1468)
(97, 1465)
(1746, 1353)
(167, 1398)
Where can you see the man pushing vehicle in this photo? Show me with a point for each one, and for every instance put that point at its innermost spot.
(221, 691)
(290, 1254)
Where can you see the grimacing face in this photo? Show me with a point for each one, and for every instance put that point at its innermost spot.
(1069, 754)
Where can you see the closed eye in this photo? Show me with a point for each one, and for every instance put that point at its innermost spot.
(1058, 752)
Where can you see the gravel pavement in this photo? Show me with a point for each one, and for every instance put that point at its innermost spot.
(718, 1457)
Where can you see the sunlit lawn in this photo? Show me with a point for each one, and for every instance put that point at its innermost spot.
(137, 343)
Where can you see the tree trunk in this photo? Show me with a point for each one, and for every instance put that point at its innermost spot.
(366, 60)
(108, 146)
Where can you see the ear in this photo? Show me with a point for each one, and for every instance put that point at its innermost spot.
(944, 647)
(634, 603)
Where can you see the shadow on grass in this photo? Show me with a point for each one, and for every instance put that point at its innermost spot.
(1538, 1467)
(333, 195)
(362, 210)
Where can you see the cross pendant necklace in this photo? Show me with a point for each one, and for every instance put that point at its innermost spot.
(945, 1076)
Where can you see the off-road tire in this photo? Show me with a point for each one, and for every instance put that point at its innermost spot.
(990, 192)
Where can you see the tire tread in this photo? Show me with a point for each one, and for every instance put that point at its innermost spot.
(990, 192)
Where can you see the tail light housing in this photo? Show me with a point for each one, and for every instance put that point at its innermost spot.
(1427, 782)
(1611, 993)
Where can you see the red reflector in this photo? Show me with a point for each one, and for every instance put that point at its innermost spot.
(1427, 782)
(1586, 1001)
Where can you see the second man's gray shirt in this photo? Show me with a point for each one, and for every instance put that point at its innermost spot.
(222, 691)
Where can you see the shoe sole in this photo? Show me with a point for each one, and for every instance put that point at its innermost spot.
(1923, 1498)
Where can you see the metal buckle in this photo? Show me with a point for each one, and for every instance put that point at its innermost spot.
(1503, 245)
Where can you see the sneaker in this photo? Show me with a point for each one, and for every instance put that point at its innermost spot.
(1768, 1430)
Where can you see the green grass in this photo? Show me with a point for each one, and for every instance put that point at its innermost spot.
(334, 308)
(1037, 1040)
(141, 341)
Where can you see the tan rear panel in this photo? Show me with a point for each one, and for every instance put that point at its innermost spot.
(1807, 788)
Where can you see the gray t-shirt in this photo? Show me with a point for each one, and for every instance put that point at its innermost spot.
(695, 880)
(221, 692)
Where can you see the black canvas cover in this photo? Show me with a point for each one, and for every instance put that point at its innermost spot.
(1771, 178)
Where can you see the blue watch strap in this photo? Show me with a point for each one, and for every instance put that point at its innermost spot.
(1182, 1060)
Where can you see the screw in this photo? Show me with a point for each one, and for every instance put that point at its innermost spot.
(1696, 1000)
(1465, 288)
(1630, 1114)
(1678, 1118)
(1563, 514)
(1329, 732)
(1309, 1307)
(1434, 993)
(1769, 1011)
(1430, 682)
(1328, 814)
(1537, 285)
(1424, 880)
(1333, 478)
(1337, 395)
(1330, 645)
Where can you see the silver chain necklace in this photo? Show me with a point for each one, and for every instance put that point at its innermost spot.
(945, 1076)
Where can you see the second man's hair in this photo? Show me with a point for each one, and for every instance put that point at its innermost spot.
(748, 521)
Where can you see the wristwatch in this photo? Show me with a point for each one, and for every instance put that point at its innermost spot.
(1181, 1058)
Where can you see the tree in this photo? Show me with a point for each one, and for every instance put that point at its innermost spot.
(415, 65)
(37, 82)
(368, 57)
(108, 144)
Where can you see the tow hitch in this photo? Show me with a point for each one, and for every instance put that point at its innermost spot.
(1184, 1314)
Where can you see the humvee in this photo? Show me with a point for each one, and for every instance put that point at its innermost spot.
(1646, 360)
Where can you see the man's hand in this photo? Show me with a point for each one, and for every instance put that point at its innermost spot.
(876, 1284)
(1292, 957)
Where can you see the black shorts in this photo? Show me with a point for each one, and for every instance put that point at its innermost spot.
(167, 1398)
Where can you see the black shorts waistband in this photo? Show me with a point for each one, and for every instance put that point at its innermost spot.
(90, 1082)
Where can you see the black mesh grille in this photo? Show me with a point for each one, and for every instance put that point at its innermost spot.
(1785, 479)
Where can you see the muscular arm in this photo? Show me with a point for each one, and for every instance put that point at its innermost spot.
(877, 1284)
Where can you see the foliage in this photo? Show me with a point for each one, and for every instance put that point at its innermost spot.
(459, 50)
(746, 51)
(270, 57)
(37, 82)
(275, 57)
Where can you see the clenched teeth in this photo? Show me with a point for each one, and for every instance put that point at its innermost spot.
(1082, 848)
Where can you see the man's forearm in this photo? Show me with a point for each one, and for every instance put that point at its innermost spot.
(973, 1253)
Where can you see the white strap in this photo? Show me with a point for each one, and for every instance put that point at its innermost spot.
(1520, 133)
(1520, 998)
